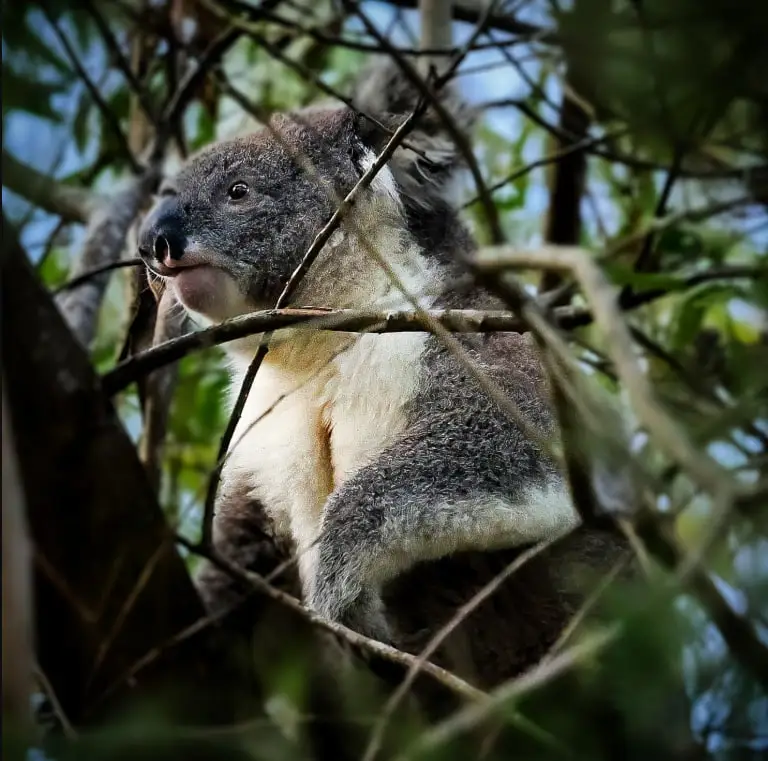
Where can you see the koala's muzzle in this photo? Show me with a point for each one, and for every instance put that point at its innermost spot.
(161, 238)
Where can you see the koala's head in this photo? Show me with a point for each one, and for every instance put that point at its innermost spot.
(229, 230)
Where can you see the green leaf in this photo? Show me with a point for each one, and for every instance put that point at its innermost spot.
(693, 308)
(55, 269)
(23, 94)
(206, 129)
(623, 274)
(81, 120)
(19, 36)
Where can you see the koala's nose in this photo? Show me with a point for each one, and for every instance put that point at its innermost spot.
(167, 245)
(161, 237)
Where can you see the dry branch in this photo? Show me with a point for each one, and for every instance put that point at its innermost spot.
(474, 10)
(473, 715)
(370, 647)
(399, 695)
(103, 245)
(354, 320)
(84, 277)
(93, 520)
(107, 113)
(70, 202)
(427, 91)
(725, 491)
(18, 657)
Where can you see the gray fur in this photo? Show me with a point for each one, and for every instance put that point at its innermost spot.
(459, 449)
(460, 465)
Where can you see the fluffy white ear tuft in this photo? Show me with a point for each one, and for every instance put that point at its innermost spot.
(385, 92)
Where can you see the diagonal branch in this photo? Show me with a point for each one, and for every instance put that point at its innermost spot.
(72, 203)
(473, 715)
(399, 695)
(371, 646)
(106, 112)
(428, 94)
(104, 242)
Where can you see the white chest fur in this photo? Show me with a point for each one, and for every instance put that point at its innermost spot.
(308, 427)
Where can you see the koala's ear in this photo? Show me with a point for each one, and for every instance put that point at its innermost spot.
(384, 92)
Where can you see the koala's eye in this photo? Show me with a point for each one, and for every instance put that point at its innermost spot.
(238, 190)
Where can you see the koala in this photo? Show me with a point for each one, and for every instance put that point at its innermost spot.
(372, 454)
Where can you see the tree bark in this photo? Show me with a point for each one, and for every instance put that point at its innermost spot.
(17, 602)
(104, 242)
(109, 585)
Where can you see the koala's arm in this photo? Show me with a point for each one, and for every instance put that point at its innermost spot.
(420, 502)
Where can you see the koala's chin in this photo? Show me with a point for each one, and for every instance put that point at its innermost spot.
(209, 292)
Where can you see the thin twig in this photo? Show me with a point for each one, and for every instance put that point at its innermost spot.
(397, 697)
(112, 44)
(473, 12)
(107, 114)
(186, 89)
(256, 14)
(471, 716)
(741, 173)
(429, 93)
(307, 74)
(584, 144)
(643, 262)
(67, 727)
(87, 275)
(447, 679)
(607, 314)
(589, 604)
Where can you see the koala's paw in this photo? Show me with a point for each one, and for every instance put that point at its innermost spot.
(342, 598)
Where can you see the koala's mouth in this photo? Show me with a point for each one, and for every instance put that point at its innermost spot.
(200, 280)
(208, 290)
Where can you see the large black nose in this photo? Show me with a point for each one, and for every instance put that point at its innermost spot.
(161, 236)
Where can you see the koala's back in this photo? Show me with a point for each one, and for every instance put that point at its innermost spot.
(460, 437)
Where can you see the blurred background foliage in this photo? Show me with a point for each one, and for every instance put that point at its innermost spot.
(673, 100)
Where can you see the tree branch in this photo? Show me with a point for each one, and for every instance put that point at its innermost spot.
(428, 94)
(567, 182)
(84, 277)
(354, 320)
(18, 659)
(107, 114)
(436, 34)
(103, 245)
(473, 715)
(472, 11)
(362, 643)
(69, 202)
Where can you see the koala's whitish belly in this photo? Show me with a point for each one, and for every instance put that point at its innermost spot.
(316, 426)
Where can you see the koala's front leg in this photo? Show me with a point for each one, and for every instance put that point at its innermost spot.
(341, 574)
(389, 517)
